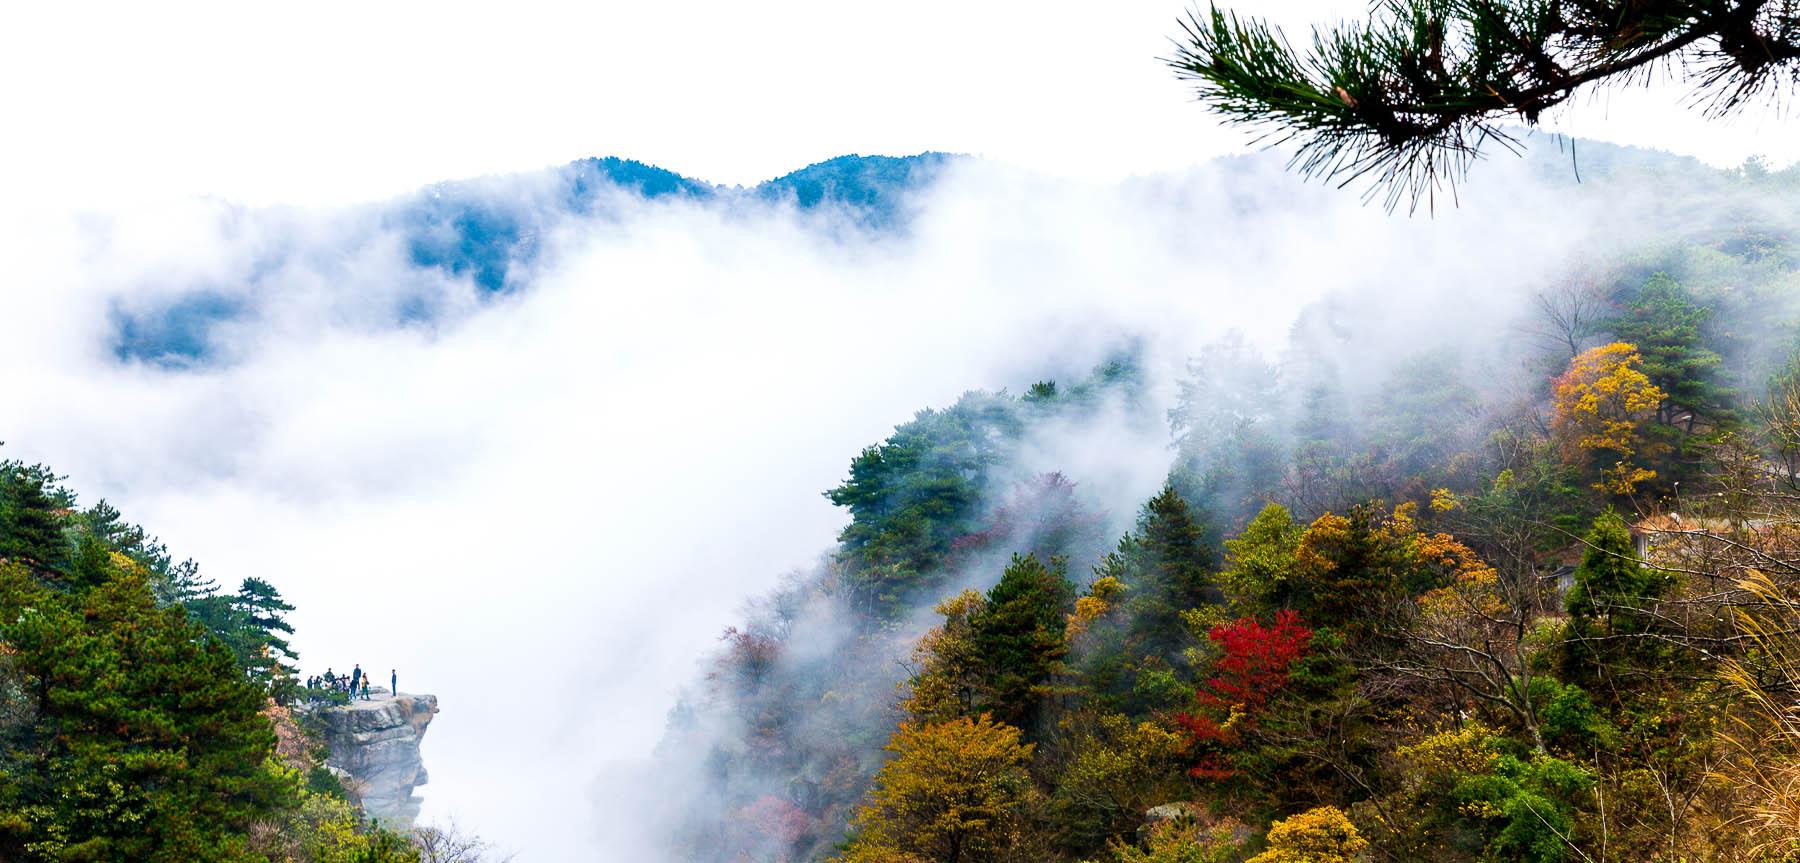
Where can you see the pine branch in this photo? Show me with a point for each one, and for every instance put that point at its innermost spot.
(1407, 99)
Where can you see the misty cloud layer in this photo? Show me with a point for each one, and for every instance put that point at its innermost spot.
(544, 504)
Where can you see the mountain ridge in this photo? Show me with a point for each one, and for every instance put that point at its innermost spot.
(488, 229)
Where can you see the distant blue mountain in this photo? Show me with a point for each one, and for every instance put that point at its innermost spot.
(589, 176)
(455, 227)
(487, 231)
(870, 188)
(477, 239)
(462, 229)
(176, 334)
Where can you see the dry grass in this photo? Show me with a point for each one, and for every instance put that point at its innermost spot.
(1766, 736)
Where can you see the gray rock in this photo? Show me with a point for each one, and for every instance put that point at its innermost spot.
(1179, 812)
(376, 742)
(1172, 811)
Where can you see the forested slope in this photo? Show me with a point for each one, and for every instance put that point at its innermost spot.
(144, 713)
(1523, 597)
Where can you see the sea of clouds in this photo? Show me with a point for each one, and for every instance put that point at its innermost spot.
(543, 505)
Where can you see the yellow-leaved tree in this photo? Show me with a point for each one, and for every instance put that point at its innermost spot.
(949, 682)
(951, 794)
(1602, 402)
(1321, 835)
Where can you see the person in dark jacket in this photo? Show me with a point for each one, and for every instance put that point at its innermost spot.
(356, 676)
(393, 681)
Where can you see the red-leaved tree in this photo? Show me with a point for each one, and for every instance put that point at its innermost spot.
(1251, 668)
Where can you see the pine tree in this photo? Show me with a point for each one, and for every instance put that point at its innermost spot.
(30, 517)
(183, 585)
(105, 521)
(1351, 570)
(1667, 327)
(109, 525)
(1136, 658)
(913, 495)
(1181, 548)
(1167, 565)
(1018, 633)
(1605, 605)
(91, 565)
(261, 609)
(145, 742)
(251, 625)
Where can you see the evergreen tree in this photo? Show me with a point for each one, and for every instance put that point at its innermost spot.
(145, 743)
(92, 563)
(261, 609)
(1019, 635)
(1605, 605)
(1668, 328)
(31, 517)
(1228, 386)
(1351, 570)
(182, 584)
(1424, 416)
(1609, 572)
(251, 624)
(1180, 552)
(1228, 460)
(1138, 658)
(914, 494)
(109, 525)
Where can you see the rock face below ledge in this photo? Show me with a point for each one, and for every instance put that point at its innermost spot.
(376, 743)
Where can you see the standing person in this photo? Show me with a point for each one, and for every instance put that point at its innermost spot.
(330, 678)
(393, 681)
(366, 686)
(356, 676)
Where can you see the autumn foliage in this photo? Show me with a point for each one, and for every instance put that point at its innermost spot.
(773, 824)
(1601, 403)
(1394, 659)
(951, 793)
(1320, 835)
(1253, 667)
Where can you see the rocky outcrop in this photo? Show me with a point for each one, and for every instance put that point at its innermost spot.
(375, 745)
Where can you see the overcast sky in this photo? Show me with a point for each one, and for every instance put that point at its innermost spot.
(335, 101)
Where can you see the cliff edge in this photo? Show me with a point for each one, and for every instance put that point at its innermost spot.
(375, 751)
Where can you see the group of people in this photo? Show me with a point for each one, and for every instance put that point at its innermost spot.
(356, 683)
